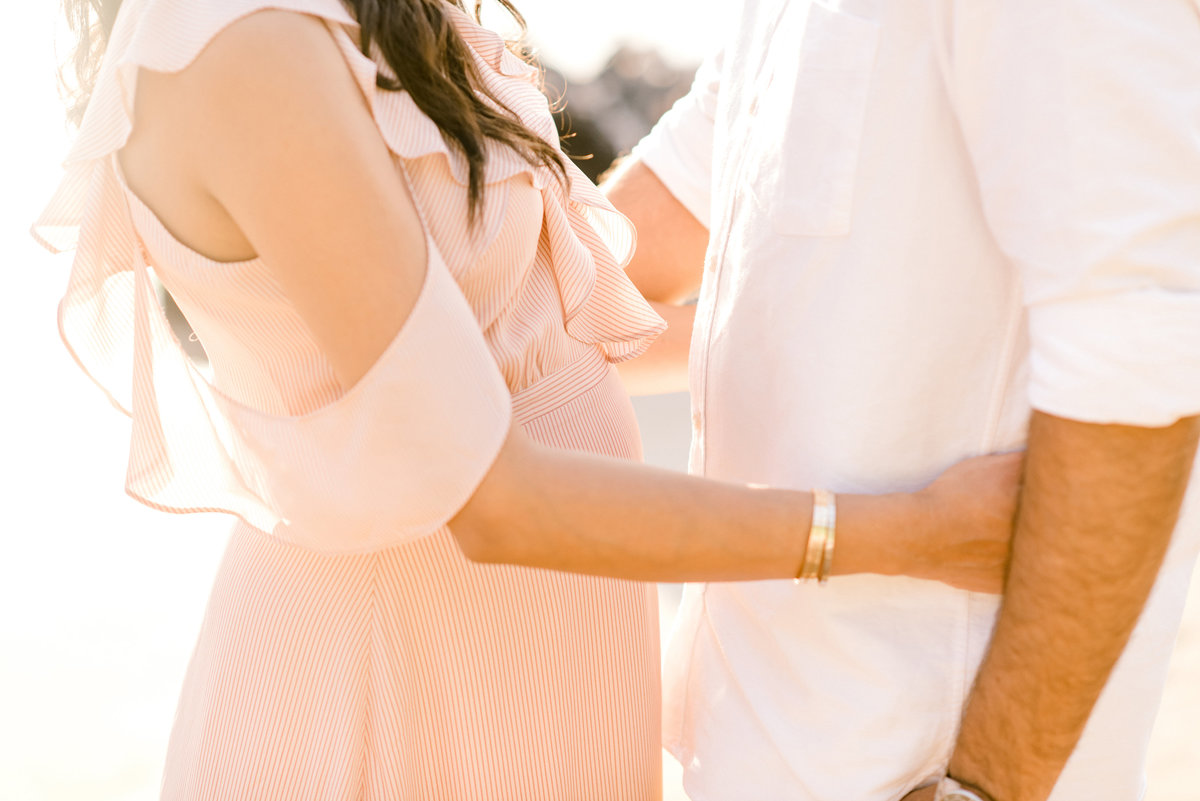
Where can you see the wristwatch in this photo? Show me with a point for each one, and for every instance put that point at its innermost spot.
(950, 790)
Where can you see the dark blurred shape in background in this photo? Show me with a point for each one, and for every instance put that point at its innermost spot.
(606, 116)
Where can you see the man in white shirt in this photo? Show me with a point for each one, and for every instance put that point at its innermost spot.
(931, 229)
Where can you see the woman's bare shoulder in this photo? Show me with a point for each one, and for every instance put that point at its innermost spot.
(270, 123)
(261, 71)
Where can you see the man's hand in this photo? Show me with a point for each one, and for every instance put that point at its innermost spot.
(1096, 516)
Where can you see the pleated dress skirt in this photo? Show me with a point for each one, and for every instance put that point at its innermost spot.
(413, 673)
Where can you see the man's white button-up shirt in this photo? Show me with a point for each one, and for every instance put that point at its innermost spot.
(926, 218)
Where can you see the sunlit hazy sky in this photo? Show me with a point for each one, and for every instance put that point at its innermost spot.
(577, 36)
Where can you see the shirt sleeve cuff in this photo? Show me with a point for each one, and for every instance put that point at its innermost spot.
(679, 151)
(1129, 358)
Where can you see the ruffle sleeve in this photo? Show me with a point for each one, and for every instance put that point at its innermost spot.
(589, 242)
(391, 460)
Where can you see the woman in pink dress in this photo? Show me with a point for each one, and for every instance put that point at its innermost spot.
(411, 305)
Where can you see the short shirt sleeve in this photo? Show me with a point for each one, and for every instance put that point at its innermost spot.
(1082, 120)
(679, 150)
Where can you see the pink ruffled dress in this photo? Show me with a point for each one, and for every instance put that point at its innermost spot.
(349, 651)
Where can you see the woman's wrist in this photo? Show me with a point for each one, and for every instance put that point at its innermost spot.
(875, 533)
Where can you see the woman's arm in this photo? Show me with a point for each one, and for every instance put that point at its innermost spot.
(276, 134)
(582, 513)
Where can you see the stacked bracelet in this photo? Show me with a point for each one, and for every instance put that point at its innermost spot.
(818, 553)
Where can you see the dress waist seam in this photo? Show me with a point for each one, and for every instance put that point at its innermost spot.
(560, 387)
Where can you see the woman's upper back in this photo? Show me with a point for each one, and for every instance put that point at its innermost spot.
(506, 268)
(540, 272)
(286, 230)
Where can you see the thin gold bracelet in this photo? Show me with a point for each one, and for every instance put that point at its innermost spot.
(818, 552)
(829, 512)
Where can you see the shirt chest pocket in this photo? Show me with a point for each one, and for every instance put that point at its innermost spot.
(807, 119)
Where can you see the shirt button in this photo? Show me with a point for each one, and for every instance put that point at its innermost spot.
(695, 421)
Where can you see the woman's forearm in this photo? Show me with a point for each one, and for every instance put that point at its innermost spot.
(581, 513)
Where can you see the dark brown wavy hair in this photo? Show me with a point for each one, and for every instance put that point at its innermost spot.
(416, 38)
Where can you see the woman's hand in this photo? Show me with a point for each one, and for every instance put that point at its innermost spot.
(970, 510)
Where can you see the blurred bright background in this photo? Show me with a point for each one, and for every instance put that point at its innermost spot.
(100, 597)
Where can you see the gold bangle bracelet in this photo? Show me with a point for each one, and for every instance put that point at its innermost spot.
(829, 512)
(813, 554)
(818, 552)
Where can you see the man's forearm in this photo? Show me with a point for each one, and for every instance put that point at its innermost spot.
(1097, 513)
(666, 267)
(668, 264)
(664, 367)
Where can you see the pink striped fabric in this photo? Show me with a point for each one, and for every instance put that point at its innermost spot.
(349, 650)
